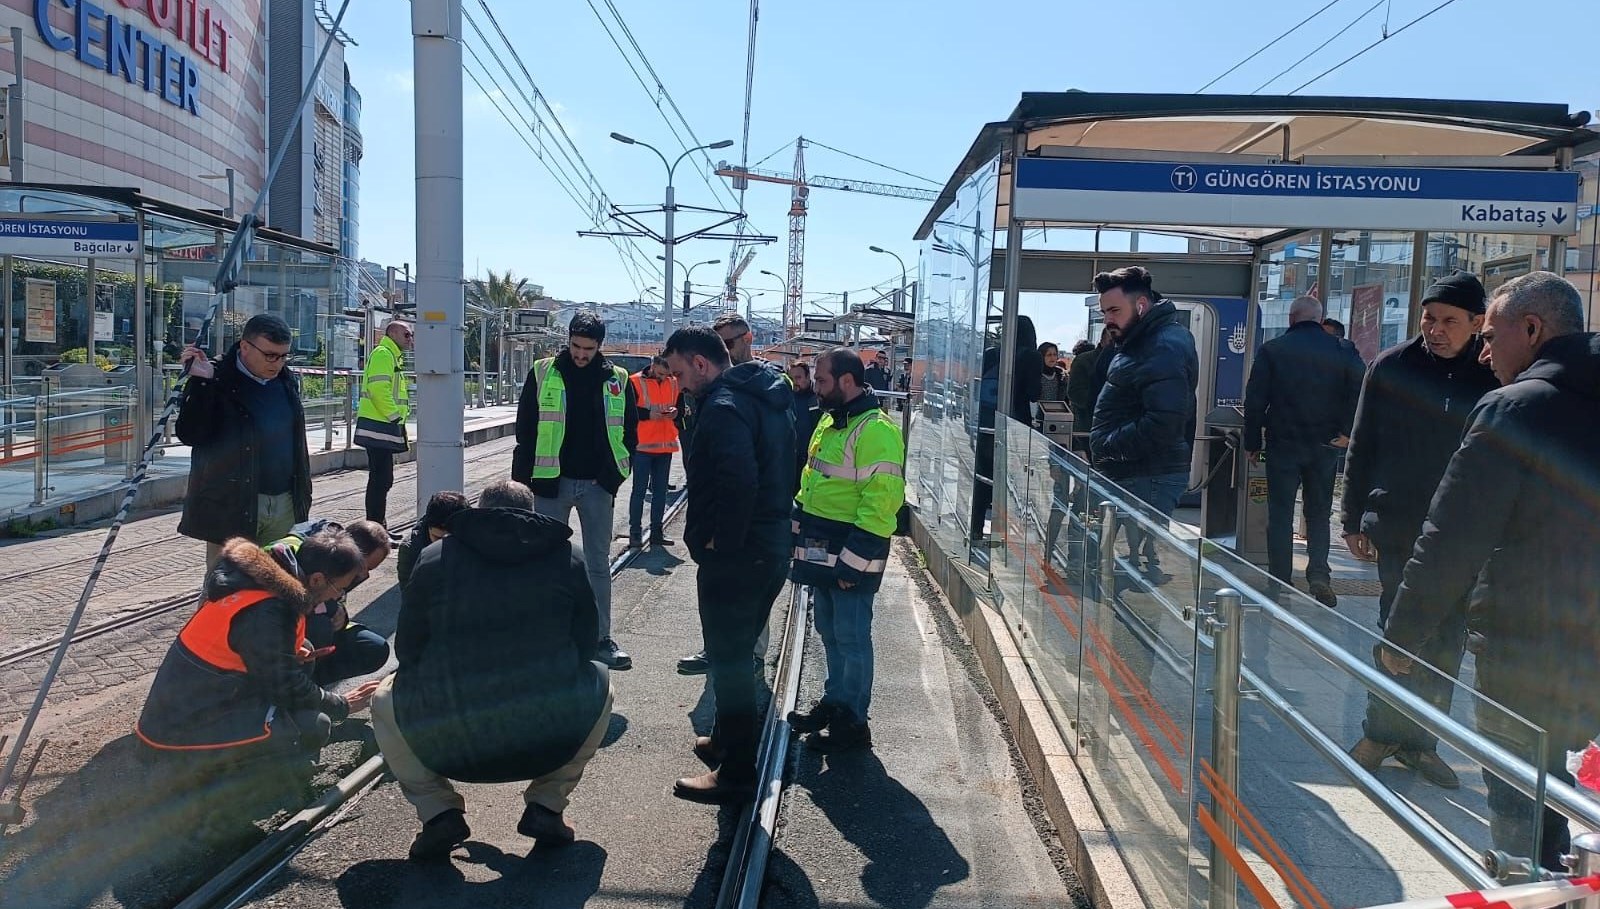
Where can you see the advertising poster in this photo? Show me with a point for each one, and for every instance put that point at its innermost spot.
(41, 316)
(1366, 320)
(105, 320)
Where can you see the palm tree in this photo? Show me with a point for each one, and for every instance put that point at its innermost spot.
(498, 291)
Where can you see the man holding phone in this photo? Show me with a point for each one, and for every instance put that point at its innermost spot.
(656, 398)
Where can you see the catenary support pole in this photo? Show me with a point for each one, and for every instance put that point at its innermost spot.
(666, 283)
(436, 48)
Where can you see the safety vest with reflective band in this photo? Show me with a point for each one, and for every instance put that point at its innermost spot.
(202, 698)
(384, 395)
(850, 495)
(553, 418)
(656, 436)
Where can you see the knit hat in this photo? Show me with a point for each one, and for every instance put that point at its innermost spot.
(1462, 290)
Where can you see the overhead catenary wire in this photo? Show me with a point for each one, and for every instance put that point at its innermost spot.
(1315, 50)
(897, 170)
(1265, 47)
(1386, 36)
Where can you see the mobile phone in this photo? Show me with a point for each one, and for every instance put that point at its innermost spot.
(321, 652)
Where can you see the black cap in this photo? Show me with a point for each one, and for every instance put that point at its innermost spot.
(1462, 290)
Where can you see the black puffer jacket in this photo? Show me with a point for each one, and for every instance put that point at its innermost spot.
(496, 627)
(740, 472)
(1144, 418)
(1303, 390)
(1520, 503)
(1413, 409)
(214, 422)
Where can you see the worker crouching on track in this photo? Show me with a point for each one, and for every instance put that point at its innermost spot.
(232, 684)
(850, 495)
(341, 649)
(496, 683)
(429, 530)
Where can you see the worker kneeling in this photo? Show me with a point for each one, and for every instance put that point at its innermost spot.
(497, 626)
(233, 683)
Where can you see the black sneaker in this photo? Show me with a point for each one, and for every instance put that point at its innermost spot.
(1323, 593)
(845, 733)
(815, 721)
(440, 836)
(694, 665)
(660, 540)
(548, 828)
(613, 656)
(635, 540)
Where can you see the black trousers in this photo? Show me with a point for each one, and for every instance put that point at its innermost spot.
(1444, 650)
(380, 478)
(736, 593)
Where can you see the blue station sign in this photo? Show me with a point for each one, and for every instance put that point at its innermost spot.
(69, 239)
(1296, 195)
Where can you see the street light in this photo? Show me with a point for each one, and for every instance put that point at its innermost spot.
(687, 275)
(785, 284)
(671, 209)
(226, 175)
(879, 249)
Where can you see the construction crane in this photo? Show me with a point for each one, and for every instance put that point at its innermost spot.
(798, 206)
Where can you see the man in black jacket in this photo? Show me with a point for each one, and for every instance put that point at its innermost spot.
(496, 682)
(249, 470)
(740, 486)
(577, 433)
(1143, 429)
(1517, 516)
(806, 411)
(1414, 407)
(1302, 392)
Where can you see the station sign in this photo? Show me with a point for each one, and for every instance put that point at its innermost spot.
(51, 237)
(1296, 195)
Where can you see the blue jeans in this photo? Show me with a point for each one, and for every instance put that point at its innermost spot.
(1310, 473)
(1161, 492)
(650, 472)
(844, 621)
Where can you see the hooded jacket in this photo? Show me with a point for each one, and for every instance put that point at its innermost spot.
(1144, 417)
(215, 423)
(194, 702)
(740, 472)
(494, 636)
(1413, 409)
(1520, 503)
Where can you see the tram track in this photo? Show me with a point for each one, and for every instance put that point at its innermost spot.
(751, 845)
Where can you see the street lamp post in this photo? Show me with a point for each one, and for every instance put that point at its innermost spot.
(225, 175)
(671, 208)
(688, 275)
(879, 249)
(781, 281)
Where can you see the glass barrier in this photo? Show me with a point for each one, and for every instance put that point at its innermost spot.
(1222, 786)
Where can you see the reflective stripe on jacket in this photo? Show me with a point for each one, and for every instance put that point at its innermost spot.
(209, 701)
(384, 395)
(657, 434)
(553, 418)
(851, 491)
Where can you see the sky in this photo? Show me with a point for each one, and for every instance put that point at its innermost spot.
(904, 83)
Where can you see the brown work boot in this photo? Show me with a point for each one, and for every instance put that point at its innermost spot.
(548, 828)
(707, 751)
(708, 789)
(1370, 754)
(1322, 592)
(1431, 767)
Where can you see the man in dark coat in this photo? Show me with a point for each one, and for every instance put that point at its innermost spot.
(1414, 407)
(1302, 396)
(1143, 430)
(241, 416)
(1518, 514)
(740, 486)
(496, 683)
(807, 411)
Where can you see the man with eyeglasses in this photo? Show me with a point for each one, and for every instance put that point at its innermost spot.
(241, 416)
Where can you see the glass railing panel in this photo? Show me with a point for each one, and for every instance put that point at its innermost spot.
(1324, 831)
(1136, 720)
(1012, 547)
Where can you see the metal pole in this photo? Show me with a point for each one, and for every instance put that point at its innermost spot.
(145, 378)
(483, 356)
(436, 48)
(1586, 852)
(7, 275)
(1419, 282)
(1558, 242)
(1008, 348)
(41, 441)
(666, 285)
(327, 386)
(1324, 267)
(16, 141)
(1226, 657)
(89, 306)
(229, 212)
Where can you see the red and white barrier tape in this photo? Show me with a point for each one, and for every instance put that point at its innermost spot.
(1540, 895)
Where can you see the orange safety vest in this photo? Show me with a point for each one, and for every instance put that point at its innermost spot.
(656, 435)
(205, 638)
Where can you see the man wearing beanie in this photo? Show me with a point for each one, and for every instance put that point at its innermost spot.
(1414, 406)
